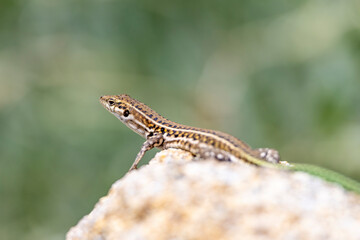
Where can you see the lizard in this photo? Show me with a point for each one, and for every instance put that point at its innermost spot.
(202, 143)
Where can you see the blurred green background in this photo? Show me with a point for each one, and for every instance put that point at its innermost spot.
(276, 73)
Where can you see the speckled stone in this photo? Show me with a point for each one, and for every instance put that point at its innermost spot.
(176, 198)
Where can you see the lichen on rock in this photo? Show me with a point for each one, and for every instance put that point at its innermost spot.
(176, 198)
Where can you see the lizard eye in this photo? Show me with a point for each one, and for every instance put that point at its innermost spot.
(111, 102)
(126, 113)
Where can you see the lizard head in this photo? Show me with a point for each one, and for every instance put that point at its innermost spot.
(119, 105)
(128, 110)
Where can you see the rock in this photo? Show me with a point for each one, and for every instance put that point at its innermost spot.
(176, 198)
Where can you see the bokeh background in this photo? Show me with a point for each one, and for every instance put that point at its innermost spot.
(275, 73)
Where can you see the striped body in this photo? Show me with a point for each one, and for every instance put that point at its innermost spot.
(163, 133)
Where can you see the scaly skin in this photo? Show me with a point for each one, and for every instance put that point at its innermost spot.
(203, 143)
(163, 133)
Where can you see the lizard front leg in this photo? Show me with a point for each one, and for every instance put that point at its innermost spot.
(152, 141)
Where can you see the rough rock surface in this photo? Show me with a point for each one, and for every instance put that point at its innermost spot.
(176, 198)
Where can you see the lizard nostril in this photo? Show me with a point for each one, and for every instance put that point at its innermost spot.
(111, 102)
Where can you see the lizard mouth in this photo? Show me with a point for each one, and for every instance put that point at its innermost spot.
(104, 102)
(103, 99)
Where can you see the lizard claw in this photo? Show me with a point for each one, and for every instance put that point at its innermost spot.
(269, 155)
